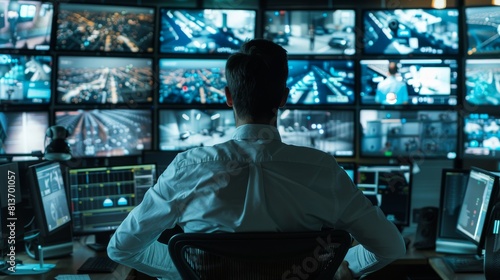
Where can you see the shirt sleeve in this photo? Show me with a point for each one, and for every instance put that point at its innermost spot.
(134, 242)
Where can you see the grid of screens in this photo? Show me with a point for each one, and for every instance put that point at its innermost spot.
(312, 31)
(101, 197)
(215, 31)
(411, 31)
(421, 133)
(97, 27)
(107, 132)
(409, 81)
(389, 187)
(331, 131)
(480, 195)
(481, 136)
(22, 132)
(482, 30)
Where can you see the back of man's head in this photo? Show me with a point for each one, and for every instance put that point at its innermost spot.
(256, 77)
(393, 68)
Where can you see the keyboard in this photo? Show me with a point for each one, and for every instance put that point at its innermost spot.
(464, 263)
(101, 264)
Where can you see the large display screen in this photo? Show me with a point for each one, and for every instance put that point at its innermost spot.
(214, 31)
(25, 25)
(25, 79)
(97, 27)
(416, 134)
(321, 82)
(482, 81)
(409, 81)
(22, 132)
(192, 81)
(482, 30)
(411, 31)
(312, 31)
(481, 136)
(104, 80)
(107, 132)
(331, 131)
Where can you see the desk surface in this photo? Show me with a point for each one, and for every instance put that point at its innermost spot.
(70, 265)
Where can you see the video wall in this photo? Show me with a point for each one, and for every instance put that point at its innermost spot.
(364, 83)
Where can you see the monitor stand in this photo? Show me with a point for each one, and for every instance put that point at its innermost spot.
(101, 242)
(15, 268)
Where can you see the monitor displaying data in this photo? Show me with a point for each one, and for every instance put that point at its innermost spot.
(389, 187)
(396, 133)
(107, 132)
(205, 31)
(318, 32)
(321, 82)
(411, 31)
(409, 81)
(331, 131)
(104, 28)
(481, 136)
(482, 30)
(482, 82)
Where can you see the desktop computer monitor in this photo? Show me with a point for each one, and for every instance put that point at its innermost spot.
(101, 197)
(389, 187)
(481, 193)
(448, 240)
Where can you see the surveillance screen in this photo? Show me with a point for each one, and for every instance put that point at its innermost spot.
(104, 80)
(409, 81)
(321, 82)
(482, 30)
(25, 79)
(185, 129)
(91, 27)
(192, 81)
(481, 136)
(329, 131)
(107, 133)
(482, 81)
(416, 134)
(25, 25)
(312, 31)
(411, 31)
(214, 31)
(22, 132)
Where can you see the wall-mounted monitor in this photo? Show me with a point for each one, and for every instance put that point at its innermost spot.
(25, 25)
(105, 28)
(482, 81)
(25, 79)
(104, 80)
(192, 81)
(107, 132)
(411, 31)
(184, 129)
(318, 32)
(409, 81)
(23, 132)
(205, 31)
(482, 30)
(416, 134)
(321, 82)
(481, 136)
(331, 131)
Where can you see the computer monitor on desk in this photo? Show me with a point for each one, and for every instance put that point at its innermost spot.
(101, 197)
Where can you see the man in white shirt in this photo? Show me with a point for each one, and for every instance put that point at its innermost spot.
(255, 182)
(392, 90)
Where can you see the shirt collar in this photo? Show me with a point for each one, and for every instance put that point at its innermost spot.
(256, 132)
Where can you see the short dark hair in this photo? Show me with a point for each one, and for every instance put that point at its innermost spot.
(393, 68)
(256, 77)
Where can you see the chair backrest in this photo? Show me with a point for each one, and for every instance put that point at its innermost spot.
(259, 255)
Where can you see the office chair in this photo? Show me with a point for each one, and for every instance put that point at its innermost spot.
(259, 255)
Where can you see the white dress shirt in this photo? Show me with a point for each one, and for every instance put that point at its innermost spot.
(254, 182)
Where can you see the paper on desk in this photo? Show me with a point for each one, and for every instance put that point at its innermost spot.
(73, 277)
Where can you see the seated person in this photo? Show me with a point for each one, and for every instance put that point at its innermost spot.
(255, 183)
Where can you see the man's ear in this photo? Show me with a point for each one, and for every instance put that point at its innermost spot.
(284, 98)
(229, 99)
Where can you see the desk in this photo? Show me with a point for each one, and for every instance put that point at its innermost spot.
(70, 264)
(445, 273)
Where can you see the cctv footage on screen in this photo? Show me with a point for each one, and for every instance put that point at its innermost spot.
(104, 80)
(482, 136)
(215, 31)
(82, 27)
(411, 31)
(482, 30)
(482, 81)
(312, 32)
